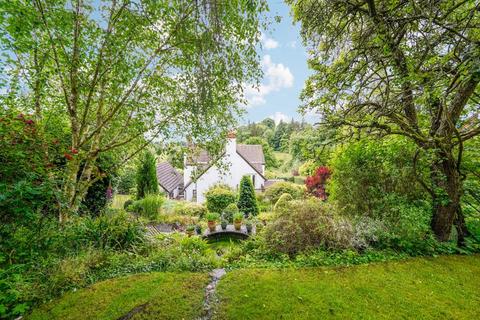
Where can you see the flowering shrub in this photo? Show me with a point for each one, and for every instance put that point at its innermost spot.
(316, 183)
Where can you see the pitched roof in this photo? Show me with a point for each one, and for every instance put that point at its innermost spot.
(252, 153)
(168, 177)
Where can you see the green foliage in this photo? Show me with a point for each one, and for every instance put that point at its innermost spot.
(219, 197)
(100, 193)
(364, 173)
(229, 212)
(117, 62)
(308, 168)
(115, 230)
(238, 216)
(306, 225)
(127, 204)
(282, 201)
(212, 216)
(189, 209)
(147, 175)
(126, 183)
(276, 190)
(247, 202)
(150, 206)
(270, 161)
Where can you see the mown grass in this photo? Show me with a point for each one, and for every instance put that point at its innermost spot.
(422, 288)
(146, 296)
(119, 199)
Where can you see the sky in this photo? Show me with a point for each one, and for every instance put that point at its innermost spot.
(284, 63)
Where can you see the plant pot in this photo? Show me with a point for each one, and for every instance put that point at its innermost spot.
(212, 225)
(238, 224)
(198, 230)
(249, 228)
(224, 226)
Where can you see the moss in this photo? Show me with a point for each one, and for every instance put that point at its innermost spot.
(422, 288)
(145, 296)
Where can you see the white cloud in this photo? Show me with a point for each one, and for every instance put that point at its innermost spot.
(279, 116)
(268, 43)
(276, 77)
(292, 44)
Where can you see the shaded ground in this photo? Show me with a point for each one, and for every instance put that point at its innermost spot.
(146, 296)
(423, 288)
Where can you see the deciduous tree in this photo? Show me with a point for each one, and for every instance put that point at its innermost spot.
(116, 70)
(409, 68)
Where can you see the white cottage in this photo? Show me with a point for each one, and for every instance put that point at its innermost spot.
(241, 160)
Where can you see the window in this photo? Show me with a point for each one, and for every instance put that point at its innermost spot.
(253, 181)
(194, 195)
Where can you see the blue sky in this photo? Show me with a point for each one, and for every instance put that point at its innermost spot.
(284, 62)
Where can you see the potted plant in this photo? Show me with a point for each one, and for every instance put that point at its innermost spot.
(190, 229)
(237, 220)
(198, 229)
(249, 226)
(212, 218)
(224, 224)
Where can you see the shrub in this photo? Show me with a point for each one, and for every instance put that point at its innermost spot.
(189, 209)
(306, 225)
(99, 194)
(308, 168)
(126, 182)
(112, 230)
(219, 197)
(282, 201)
(274, 191)
(229, 212)
(150, 206)
(247, 202)
(316, 183)
(127, 204)
(147, 176)
(364, 173)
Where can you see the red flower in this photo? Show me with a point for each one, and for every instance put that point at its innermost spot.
(73, 150)
(29, 122)
(68, 156)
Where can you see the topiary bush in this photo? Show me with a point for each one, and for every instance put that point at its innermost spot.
(229, 212)
(309, 224)
(282, 201)
(247, 202)
(219, 197)
(275, 191)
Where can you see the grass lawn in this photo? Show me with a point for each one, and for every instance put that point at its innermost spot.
(423, 288)
(119, 200)
(145, 296)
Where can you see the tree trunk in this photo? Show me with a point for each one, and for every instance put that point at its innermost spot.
(447, 187)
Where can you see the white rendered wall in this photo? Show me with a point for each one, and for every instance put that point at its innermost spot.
(231, 174)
